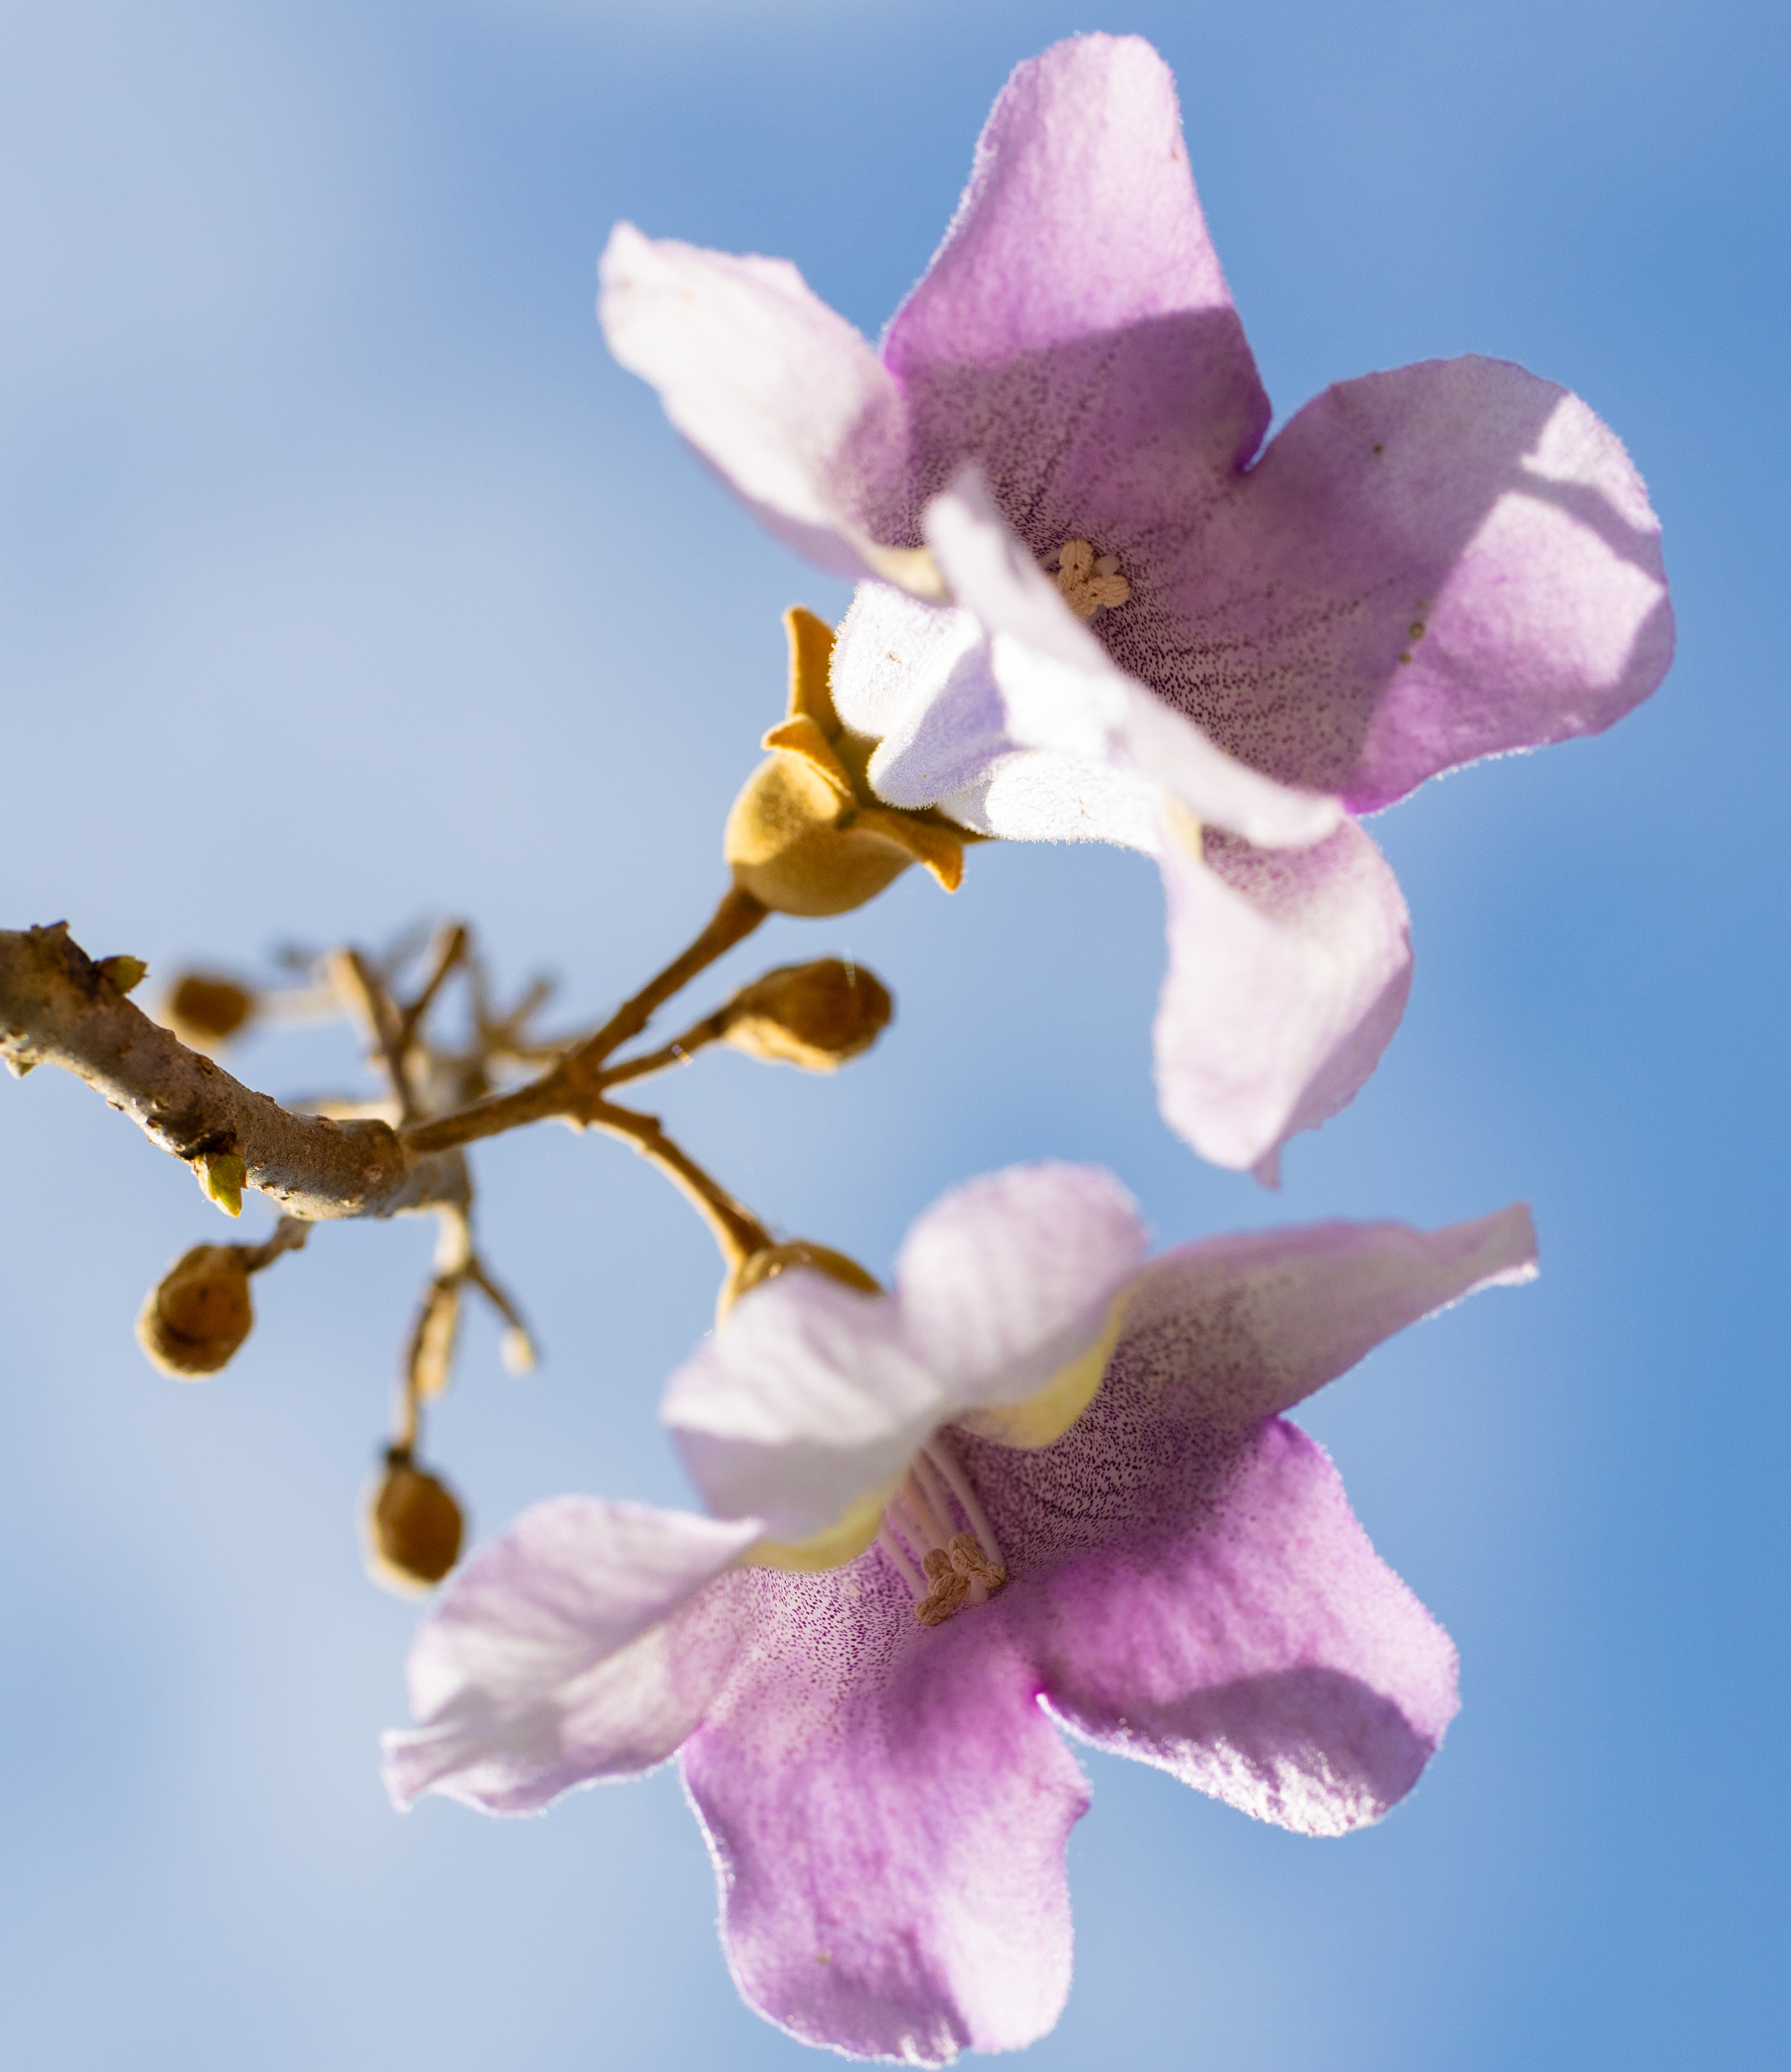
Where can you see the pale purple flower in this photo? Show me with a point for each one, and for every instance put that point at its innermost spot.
(1446, 561)
(1148, 1555)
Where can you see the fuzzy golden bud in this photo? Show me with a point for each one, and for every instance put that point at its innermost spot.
(414, 1527)
(816, 1016)
(205, 1008)
(807, 834)
(771, 1260)
(199, 1313)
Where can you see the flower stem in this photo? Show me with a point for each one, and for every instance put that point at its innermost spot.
(736, 1230)
(574, 1087)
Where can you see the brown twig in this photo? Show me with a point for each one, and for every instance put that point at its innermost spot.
(736, 1230)
(575, 1084)
(452, 949)
(58, 1008)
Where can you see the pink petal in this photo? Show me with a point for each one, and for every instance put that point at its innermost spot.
(1075, 332)
(778, 392)
(1288, 972)
(579, 1646)
(1425, 566)
(887, 1807)
(1007, 1279)
(1255, 1322)
(1259, 1650)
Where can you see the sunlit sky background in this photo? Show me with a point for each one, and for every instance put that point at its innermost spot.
(344, 580)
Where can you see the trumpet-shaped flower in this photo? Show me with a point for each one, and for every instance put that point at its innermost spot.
(1094, 604)
(1091, 1514)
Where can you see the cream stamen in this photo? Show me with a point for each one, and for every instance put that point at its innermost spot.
(898, 1554)
(938, 1451)
(1087, 581)
(957, 1569)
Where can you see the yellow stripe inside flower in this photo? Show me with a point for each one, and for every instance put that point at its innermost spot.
(1036, 1421)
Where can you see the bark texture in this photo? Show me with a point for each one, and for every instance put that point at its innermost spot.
(58, 1007)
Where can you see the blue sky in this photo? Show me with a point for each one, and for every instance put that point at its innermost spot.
(344, 579)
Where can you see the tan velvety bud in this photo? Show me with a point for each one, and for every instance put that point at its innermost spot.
(197, 1315)
(205, 1008)
(807, 834)
(413, 1527)
(767, 1264)
(816, 1016)
(792, 844)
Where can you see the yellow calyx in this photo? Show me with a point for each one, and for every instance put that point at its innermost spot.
(1088, 581)
(807, 834)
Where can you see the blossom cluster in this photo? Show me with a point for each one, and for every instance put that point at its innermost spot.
(1045, 1485)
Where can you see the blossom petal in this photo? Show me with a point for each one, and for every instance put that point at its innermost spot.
(1264, 1653)
(1008, 1279)
(774, 388)
(807, 1399)
(1256, 1323)
(1060, 691)
(1428, 565)
(1288, 972)
(1075, 332)
(887, 1808)
(577, 1646)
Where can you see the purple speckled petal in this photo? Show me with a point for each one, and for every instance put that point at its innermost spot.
(778, 392)
(887, 1807)
(580, 1645)
(1425, 566)
(1060, 693)
(1007, 1279)
(1262, 1651)
(1074, 332)
(1289, 973)
(1257, 1322)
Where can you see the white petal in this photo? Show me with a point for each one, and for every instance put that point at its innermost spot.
(805, 1401)
(773, 387)
(1060, 691)
(1008, 1280)
(550, 1661)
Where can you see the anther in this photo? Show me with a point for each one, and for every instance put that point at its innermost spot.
(1089, 582)
(968, 1560)
(948, 1591)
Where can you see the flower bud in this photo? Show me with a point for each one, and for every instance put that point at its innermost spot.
(413, 1527)
(125, 973)
(816, 1016)
(204, 1008)
(807, 834)
(199, 1313)
(769, 1262)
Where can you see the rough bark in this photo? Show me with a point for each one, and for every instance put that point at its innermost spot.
(58, 1007)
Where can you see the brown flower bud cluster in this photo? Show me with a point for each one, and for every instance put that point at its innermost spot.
(414, 1526)
(197, 1315)
(816, 1016)
(807, 834)
(203, 1009)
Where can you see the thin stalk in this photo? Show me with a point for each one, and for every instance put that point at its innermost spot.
(572, 1087)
